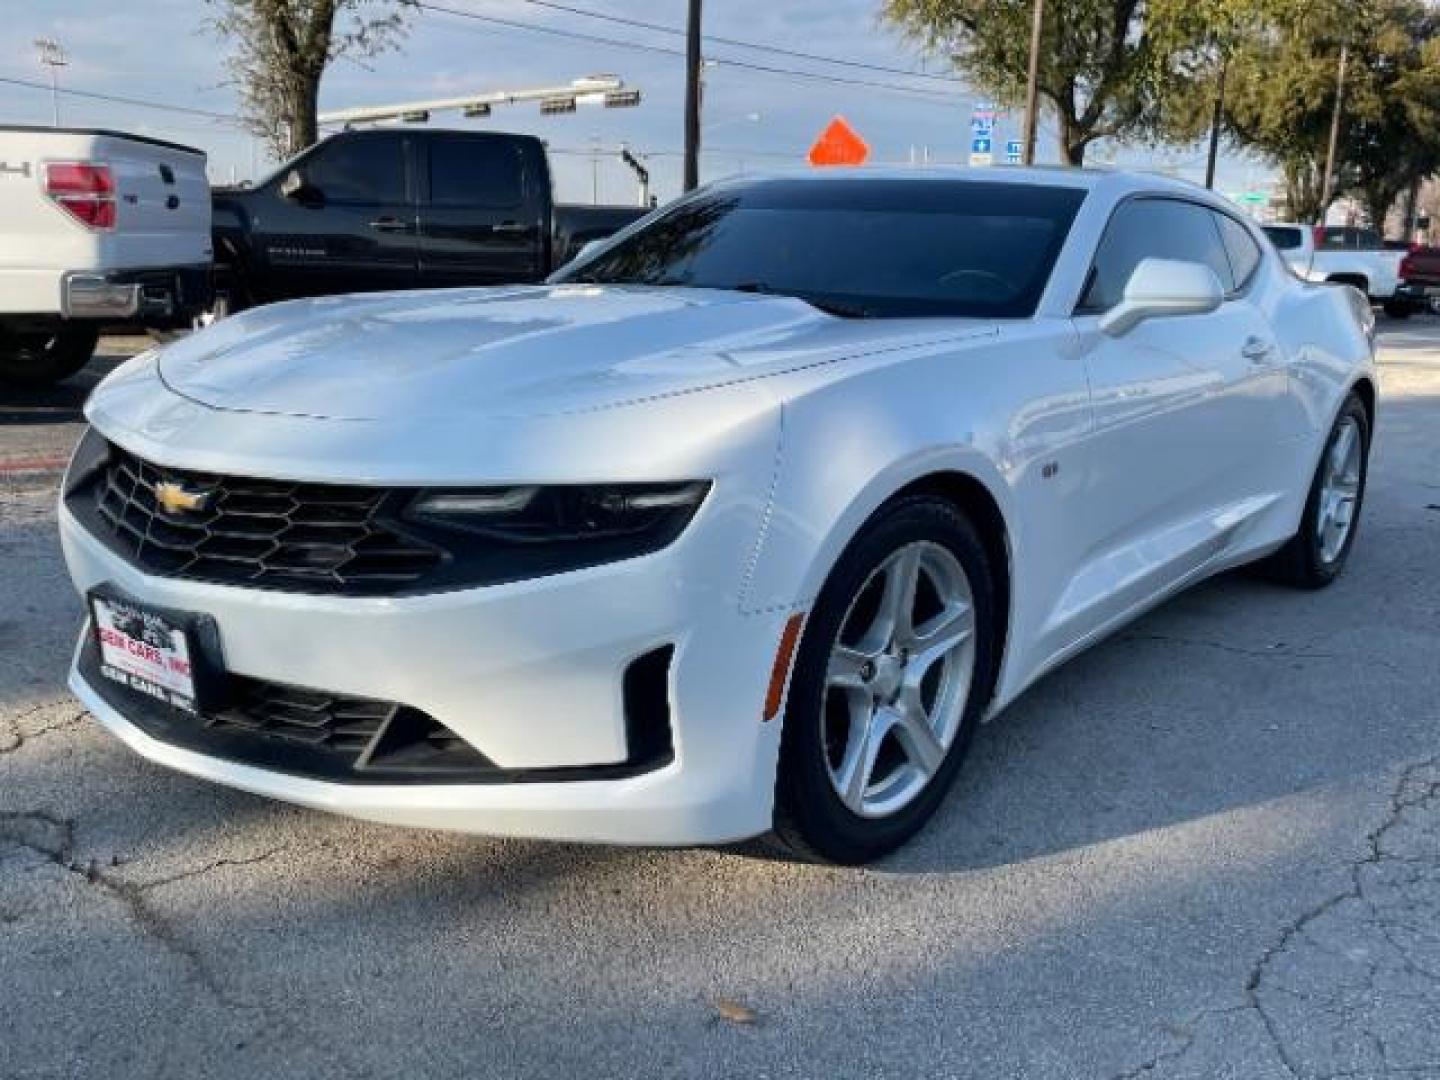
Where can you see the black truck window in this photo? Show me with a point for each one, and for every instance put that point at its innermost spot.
(359, 170)
(475, 172)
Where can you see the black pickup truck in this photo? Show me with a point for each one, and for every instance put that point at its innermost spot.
(400, 209)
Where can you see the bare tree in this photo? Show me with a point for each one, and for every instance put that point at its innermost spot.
(282, 48)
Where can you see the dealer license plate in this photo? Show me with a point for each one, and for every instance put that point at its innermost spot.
(145, 650)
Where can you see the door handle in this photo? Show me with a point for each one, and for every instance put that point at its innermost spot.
(510, 228)
(390, 224)
(1257, 350)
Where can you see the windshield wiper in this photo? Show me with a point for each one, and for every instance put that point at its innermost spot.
(830, 307)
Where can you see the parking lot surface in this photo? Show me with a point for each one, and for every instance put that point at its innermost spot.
(1208, 848)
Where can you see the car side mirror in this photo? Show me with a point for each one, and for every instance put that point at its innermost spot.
(295, 186)
(1160, 288)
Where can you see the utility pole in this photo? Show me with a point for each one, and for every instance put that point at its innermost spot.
(1215, 124)
(1327, 186)
(693, 64)
(1032, 82)
(52, 54)
(594, 170)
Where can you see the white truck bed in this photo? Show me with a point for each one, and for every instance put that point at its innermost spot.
(1374, 269)
(96, 227)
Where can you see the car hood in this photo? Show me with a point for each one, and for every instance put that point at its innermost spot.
(507, 352)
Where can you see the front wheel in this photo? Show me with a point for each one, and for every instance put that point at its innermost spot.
(894, 668)
(45, 357)
(1398, 309)
(1315, 556)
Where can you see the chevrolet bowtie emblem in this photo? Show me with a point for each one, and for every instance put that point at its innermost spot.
(176, 498)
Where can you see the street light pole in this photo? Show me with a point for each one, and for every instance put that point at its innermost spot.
(1327, 187)
(52, 55)
(693, 64)
(1032, 82)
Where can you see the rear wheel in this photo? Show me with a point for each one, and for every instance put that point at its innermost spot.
(45, 357)
(1398, 309)
(894, 668)
(1315, 556)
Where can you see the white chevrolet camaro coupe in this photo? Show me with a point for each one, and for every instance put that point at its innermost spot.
(740, 525)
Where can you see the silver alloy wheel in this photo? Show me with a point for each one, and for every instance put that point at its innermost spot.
(898, 679)
(1339, 490)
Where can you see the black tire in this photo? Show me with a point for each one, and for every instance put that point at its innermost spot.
(1301, 563)
(1398, 309)
(45, 358)
(811, 821)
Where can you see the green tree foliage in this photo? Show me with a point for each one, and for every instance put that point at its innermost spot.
(282, 48)
(1281, 74)
(1392, 138)
(1101, 73)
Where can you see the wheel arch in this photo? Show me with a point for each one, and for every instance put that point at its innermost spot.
(956, 485)
(1364, 388)
(1359, 281)
(977, 503)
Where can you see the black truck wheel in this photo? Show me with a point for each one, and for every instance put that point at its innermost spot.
(45, 357)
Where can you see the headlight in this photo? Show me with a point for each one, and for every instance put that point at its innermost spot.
(91, 455)
(510, 533)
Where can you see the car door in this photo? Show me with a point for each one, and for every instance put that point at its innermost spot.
(1179, 462)
(351, 224)
(482, 221)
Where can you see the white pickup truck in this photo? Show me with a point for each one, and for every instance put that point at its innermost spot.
(1345, 256)
(97, 228)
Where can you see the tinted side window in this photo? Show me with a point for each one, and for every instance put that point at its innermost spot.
(359, 170)
(1285, 237)
(475, 172)
(1152, 229)
(1240, 246)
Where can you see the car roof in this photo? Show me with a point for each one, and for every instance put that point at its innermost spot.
(1115, 183)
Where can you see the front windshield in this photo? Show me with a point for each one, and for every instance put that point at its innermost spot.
(861, 246)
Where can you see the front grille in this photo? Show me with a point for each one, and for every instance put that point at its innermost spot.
(350, 734)
(307, 717)
(266, 533)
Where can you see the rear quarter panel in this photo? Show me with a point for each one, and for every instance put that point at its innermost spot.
(1327, 351)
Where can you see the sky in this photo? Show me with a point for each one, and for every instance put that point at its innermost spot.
(162, 51)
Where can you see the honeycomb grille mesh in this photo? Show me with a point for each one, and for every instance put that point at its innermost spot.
(307, 717)
(314, 537)
(352, 734)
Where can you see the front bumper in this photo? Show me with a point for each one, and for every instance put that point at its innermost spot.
(529, 674)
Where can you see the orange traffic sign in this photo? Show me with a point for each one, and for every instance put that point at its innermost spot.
(839, 144)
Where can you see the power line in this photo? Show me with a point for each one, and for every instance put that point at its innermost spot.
(117, 99)
(936, 96)
(738, 43)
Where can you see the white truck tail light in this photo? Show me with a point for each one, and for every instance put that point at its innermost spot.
(84, 189)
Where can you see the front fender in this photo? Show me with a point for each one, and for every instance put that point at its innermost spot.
(821, 502)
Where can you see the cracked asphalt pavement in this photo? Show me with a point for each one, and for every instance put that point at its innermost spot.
(1208, 848)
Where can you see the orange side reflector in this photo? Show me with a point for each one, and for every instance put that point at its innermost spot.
(780, 673)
